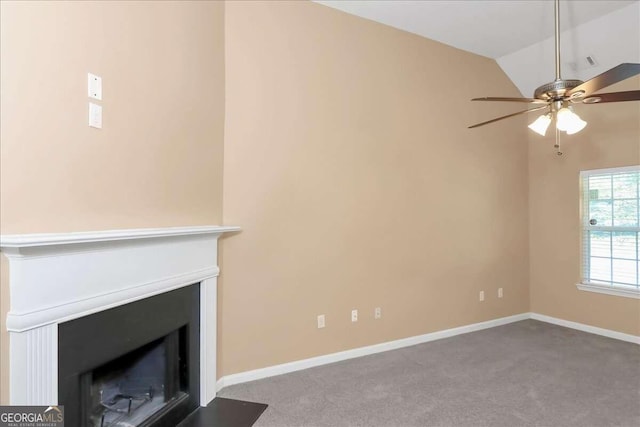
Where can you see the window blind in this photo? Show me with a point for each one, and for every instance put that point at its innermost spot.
(611, 227)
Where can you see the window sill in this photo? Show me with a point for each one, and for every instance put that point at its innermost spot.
(620, 291)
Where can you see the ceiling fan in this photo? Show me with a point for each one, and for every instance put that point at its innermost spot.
(557, 96)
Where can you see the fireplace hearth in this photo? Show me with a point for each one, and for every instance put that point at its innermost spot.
(133, 365)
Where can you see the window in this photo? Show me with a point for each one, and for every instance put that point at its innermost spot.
(610, 229)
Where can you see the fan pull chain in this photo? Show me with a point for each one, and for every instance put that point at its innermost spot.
(557, 144)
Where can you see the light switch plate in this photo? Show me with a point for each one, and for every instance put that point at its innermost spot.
(95, 115)
(94, 84)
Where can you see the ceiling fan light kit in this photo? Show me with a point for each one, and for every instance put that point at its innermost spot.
(556, 96)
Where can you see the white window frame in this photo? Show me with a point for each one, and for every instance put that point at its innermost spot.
(628, 291)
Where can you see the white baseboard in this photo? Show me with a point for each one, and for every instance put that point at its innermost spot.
(587, 328)
(298, 365)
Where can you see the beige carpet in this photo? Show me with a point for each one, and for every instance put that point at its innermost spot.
(527, 373)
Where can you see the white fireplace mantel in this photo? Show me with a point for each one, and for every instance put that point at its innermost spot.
(59, 277)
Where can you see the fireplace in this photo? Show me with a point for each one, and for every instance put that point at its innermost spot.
(114, 322)
(133, 365)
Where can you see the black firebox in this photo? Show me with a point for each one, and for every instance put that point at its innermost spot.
(133, 365)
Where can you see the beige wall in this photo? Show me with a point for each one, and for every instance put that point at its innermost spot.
(611, 139)
(349, 166)
(158, 159)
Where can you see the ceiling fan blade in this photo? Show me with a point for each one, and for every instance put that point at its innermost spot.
(527, 100)
(507, 116)
(598, 98)
(614, 75)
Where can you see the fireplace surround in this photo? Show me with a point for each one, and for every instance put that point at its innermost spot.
(57, 278)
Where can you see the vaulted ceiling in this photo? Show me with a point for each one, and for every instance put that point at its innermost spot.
(518, 34)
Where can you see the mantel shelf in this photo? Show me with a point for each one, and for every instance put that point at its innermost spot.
(51, 239)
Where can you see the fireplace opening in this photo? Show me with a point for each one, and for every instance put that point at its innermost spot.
(133, 388)
(133, 365)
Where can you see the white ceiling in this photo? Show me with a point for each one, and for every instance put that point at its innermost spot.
(518, 33)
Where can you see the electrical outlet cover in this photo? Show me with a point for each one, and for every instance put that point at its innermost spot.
(94, 89)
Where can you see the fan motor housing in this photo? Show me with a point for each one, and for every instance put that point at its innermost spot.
(555, 90)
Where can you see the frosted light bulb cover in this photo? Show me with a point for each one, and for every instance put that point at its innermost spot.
(541, 124)
(563, 118)
(576, 126)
